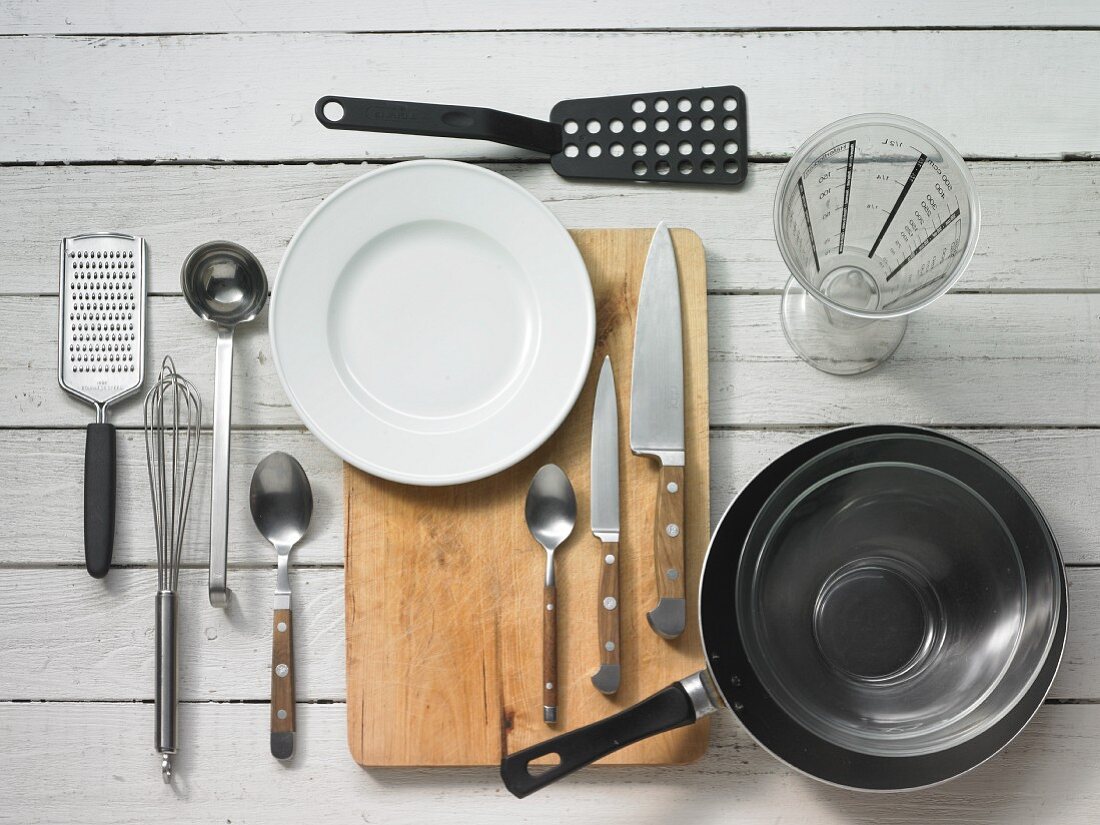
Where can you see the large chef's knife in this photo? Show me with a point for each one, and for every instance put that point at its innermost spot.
(605, 524)
(657, 422)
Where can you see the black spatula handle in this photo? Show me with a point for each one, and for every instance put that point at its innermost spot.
(99, 498)
(405, 118)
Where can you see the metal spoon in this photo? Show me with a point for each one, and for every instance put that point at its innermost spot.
(551, 512)
(282, 504)
(224, 284)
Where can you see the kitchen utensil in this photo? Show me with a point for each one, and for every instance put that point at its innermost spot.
(418, 697)
(100, 360)
(281, 501)
(676, 136)
(551, 513)
(657, 423)
(173, 415)
(912, 755)
(432, 323)
(876, 217)
(225, 285)
(605, 526)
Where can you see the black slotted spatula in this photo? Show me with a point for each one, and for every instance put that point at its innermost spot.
(678, 136)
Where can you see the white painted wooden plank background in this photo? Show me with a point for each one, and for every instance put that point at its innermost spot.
(133, 16)
(1013, 93)
(1009, 358)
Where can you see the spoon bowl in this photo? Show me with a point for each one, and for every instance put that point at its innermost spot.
(281, 500)
(551, 508)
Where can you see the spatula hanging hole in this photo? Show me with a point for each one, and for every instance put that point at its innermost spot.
(546, 762)
(333, 111)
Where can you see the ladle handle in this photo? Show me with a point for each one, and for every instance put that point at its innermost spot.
(406, 118)
(219, 485)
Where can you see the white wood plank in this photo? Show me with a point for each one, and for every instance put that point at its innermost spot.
(95, 764)
(98, 644)
(136, 16)
(251, 97)
(41, 470)
(1006, 360)
(1040, 230)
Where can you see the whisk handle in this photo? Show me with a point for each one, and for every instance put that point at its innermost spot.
(99, 498)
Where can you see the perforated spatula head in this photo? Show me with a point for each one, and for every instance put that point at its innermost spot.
(694, 136)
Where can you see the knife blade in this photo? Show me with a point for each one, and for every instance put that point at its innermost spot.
(605, 524)
(657, 422)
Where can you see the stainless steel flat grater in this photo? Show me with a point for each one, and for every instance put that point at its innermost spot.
(101, 359)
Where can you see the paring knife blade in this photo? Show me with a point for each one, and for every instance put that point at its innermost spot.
(657, 421)
(605, 524)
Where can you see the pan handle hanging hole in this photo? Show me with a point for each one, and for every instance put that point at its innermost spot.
(333, 111)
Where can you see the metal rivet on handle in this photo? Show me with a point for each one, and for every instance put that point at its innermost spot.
(672, 574)
(282, 670)
(609, 603)
(673, 487)
(673, 530)
(281, 714)
(609, 646)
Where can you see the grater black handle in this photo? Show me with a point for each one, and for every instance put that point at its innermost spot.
(99, 498)
(404, 118)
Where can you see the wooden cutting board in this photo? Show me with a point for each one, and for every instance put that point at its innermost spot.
(443, 587)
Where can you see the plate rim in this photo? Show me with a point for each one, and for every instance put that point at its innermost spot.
(486, 470)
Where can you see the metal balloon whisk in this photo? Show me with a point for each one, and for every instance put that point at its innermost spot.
(173, 414)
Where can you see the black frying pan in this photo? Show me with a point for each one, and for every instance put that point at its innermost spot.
(731, 681)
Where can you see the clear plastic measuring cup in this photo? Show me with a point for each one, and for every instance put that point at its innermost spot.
(876, 217)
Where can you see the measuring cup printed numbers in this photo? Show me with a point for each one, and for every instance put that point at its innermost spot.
(876, 216)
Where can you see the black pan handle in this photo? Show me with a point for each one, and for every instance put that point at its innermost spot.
(404, 118)
(668, 709)
(99, 498)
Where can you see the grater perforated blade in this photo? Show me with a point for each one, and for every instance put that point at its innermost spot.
(100, 359)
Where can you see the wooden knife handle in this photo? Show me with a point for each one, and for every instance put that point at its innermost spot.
(282, 686)
(608, 609)
(667, 619)
(550, 654)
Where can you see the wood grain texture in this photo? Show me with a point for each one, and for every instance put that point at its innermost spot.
(1047, 775)
(41, 474)
(443, 584)
(259, 105)
(87, 653)
(550, 654)
(968, 360)
(607, 612)
(282, 685)
(1040, 221)
(137, 16)
(668, 535)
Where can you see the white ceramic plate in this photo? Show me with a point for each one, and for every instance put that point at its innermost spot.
(432, 322)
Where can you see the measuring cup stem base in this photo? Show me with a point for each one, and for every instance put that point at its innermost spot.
(832, 341)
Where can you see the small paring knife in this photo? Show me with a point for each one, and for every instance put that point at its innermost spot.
(657, 422)
(605, 525)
